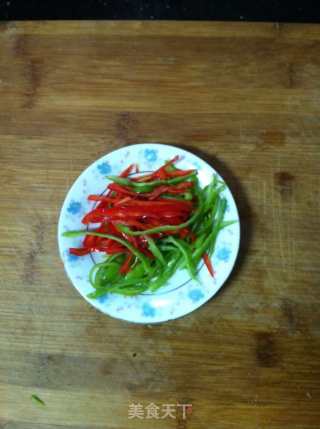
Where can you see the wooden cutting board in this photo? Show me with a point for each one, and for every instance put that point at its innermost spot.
(246, 97)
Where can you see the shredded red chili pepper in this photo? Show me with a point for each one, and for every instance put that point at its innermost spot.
(208, 263)
(125, 267)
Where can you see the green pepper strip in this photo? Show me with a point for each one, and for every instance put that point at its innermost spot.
(173, 261)
(163, 228)
(226, 223)
(116, 287)
(107, 275)
(136, 252)
(185, 251)
(135, 277)
(95, 267)
(149, 186)
(204, 225)
(155, 250)
(210, 240)
(186, 196)
(136, 272)
(219, 223)
(37, 400)
(130, 291)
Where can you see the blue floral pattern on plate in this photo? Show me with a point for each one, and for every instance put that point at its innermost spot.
(172, 302)
(148, 310)
(224, 254)
(150, 155)
(195, 295)
(74, 207)
(104, 168)
(71, 257)
(103, 299)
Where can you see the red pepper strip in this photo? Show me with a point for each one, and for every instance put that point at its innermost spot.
(109, 246)
(103, 245)
(165, 189)
(112, 229)
(95, 216)
(157, 192)
(156, 236)
(154, 222)
(173, 189)
(101, 198)
(133, 240)
(122, 201)
(93, 243)
(162, 170)
(158, 211)
(175, 220)
(181, 187)
(143, 247)
(146, 252)
(113, 250)
(104, 214)
(121, 189)
(131, 222)
(144, 178)
(127, 171)
(170, 162)
(115, 212)
(183, 233)
(106, 201)
(208, 263)
(89, 241)
(109, 193)
(102, 205)
(173, 232)
(193, 236)
(162, 203)
(79, 251)
(179, 173)
(125, 267)
(161, 173)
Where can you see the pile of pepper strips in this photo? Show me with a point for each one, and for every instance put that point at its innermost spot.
(151, 225)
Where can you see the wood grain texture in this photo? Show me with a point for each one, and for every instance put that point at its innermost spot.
(246, 97)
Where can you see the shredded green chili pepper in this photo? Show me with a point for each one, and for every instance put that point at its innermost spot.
(155, 250)
(37, 400)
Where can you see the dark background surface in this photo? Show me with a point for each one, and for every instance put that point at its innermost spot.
(254, 10)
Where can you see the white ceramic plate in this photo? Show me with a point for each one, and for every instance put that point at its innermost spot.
(181, 295)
